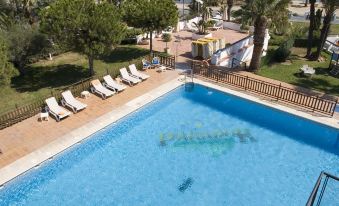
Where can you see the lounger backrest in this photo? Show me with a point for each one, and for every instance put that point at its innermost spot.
(108, 79)
(133, 69)
(96, 84)
(52, 103)
(124, 72)
(68, 96)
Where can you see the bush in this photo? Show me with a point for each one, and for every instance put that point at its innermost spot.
(166, 37)
(284, 51)
(277, 40)
(131, 36)
(7, 70)
(132, 33)
(26, 44)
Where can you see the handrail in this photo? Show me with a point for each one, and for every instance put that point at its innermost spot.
(239, 62)
(278, 92)
(314, 192)
(331, 43)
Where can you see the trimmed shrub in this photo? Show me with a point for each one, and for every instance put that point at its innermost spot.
(284, 51)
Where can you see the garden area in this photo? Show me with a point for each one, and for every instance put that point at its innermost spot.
(46, 76)
(290, 72)
(287, 55)
(84, 37)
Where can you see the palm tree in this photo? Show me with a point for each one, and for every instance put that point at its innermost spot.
(259, 12)
(229, 9)
(330, 7)
(311, 29)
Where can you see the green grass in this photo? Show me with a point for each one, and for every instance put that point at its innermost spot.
(334, 30)
(321, 81)
(46, 76)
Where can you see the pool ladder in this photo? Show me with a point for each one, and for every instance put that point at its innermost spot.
(189, 80)
(316, 195)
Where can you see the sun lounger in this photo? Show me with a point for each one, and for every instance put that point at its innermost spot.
(54, 109)
(136, 73)
(101, 90)
(113, 85)
(128, 78)
(69, 101)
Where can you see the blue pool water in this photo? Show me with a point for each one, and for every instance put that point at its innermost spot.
(189, 148)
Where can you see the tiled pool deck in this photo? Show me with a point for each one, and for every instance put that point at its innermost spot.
(30, 135)
(30, 142)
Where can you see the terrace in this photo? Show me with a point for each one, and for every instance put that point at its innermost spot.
(178, 122)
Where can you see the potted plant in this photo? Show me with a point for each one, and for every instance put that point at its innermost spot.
(202, 30)
(166, 37)
(203, 24)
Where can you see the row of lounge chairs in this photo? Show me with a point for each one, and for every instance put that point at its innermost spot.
(106, 89)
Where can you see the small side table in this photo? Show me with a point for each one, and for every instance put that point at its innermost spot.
(161, 69)
(85, 94)
(44, 116)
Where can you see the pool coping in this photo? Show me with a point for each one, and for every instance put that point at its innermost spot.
(76, 136)
(39, 156)
(323, 120)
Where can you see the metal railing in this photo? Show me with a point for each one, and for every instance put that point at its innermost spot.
(274, 91)
(314, 194)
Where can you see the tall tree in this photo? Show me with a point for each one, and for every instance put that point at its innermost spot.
(330, 7)
(229, 9)
(6, 68)
(259, 13)
(311, 29)
(84, 26)
(151, 15)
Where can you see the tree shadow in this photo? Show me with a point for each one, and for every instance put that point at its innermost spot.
(123, 54)
(317, 83)
(49, 77)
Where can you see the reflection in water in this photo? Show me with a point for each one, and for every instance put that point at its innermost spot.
(215, 142)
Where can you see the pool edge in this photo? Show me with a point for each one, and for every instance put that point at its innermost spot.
(43, 154)
(65, 142)
(326, 121)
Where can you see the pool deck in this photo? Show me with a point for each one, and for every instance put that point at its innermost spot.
(30, 135)
(30, 142)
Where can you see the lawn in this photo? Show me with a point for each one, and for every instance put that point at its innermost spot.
(290, 73)
(46, 76)
(334, 30)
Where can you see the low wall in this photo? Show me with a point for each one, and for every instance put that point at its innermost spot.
(241, 50)
(235, 26)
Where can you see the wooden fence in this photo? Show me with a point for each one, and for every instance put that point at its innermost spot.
(275, 91)
(26, 111)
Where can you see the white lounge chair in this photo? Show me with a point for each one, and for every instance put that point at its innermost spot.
(101, 90)
(54, 109)
(136, 73)
(111, 84)
(128, 78)
(69, 101)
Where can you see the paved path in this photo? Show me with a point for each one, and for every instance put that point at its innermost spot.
(181, 43)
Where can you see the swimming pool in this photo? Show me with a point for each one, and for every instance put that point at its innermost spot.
(201, 147)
